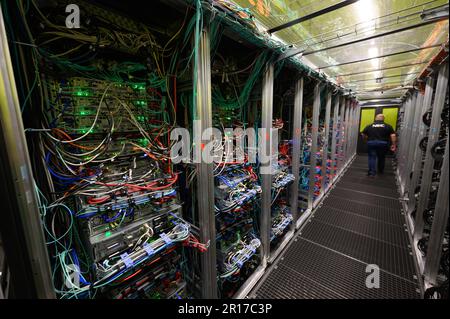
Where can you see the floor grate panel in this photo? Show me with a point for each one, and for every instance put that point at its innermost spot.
(368, 188)
(385, 215)
(342, 274)
(382, 202)
(285, 283)
(359, 223)
(386, 183)
(393, 259)
(363, 170)
(393, 234)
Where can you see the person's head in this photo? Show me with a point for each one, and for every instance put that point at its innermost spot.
(379, 117)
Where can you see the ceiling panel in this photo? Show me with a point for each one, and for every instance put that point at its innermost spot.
(356, 22)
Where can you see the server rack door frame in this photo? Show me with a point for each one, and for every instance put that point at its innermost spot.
(425, 187)
(22, 233)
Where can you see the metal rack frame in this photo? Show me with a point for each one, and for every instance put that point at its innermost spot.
(425, 185)
(205, 176)
(22, 233)
(426, 103)
(410, 158)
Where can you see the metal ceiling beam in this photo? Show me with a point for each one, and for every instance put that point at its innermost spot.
(434, 13)
(382, 69)
(380, 105)
(384, 34)
(312, 15)
(382, 56)
(391, 89)
(388, 102)
(384, 77)
(354, 28)
(380, 99)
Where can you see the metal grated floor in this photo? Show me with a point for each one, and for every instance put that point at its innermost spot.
(358, 224)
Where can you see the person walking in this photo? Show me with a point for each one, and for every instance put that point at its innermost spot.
(378, 135)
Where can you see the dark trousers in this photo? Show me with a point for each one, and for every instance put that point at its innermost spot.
(376, 149)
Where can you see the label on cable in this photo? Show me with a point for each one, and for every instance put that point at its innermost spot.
(127, 260)
(148, 249)
(165, 238)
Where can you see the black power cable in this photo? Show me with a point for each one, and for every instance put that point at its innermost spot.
(444, 115)
(428, 215)
(423, 143)
(438, 149)
(439, 292)
(445, 263)
(422, 245)
(426, 118)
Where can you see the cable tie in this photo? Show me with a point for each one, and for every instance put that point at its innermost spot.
(127, 260)
(148, 249)
(165, 238)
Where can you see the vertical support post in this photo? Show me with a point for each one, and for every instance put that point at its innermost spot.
(314, 135)
(356, 127)
(413, 141)
(433, 134)
(358, 112)
(407, 144)
(21, 226)
(340, 151)
(352, 135)
(403, 143)
(351, 128)
(401, 131)
(296, 148)
(325, 180)
(440, 223)
(346, 131)
(334, 129)
(418, 152)
(266, 178)
(205, 177)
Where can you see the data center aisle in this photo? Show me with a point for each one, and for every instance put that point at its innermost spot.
(359, 223)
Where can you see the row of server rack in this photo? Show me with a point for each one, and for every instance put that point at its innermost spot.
(106, 199)
(422, 173)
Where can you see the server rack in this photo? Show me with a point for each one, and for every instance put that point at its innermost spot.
(343, 130)
(422, 175)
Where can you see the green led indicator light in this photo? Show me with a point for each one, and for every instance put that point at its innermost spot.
(85, 130)
(141, 103)
(138, 86)
(107, 234)
(82, 93)
(143, 141)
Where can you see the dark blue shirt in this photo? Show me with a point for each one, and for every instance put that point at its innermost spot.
(378, 131)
